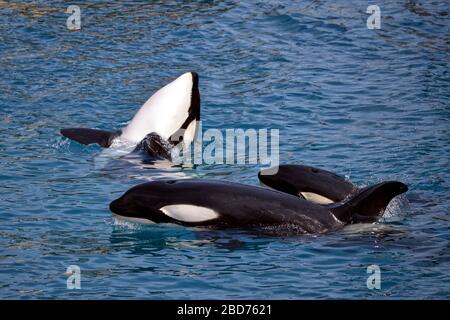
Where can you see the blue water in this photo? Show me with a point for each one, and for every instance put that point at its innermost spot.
(368, 104)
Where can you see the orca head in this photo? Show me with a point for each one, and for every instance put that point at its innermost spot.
(172, 113)
(312, 184)
(141, 202)
(164, 201)
(281, 180)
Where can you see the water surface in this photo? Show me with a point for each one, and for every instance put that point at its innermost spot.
(369, 104)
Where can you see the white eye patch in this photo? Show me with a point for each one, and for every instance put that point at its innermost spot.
(316, 198)
(189, 213)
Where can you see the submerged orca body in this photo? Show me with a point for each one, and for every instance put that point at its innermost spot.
(220, 204)
(313, 184)
(155, 147)
(167, 118)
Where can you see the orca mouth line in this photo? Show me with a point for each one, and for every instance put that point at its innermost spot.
(132, 220)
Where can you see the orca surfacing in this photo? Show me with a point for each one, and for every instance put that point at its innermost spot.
(310, 183)
(168, 118)
(220, 204)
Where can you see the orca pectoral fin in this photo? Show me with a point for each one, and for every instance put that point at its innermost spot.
(90, 136)
(368, 203)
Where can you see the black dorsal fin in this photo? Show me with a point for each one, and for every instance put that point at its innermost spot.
(369, 203)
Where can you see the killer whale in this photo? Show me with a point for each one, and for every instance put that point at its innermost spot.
(310, 183)
(221, 204)
(167, 118)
